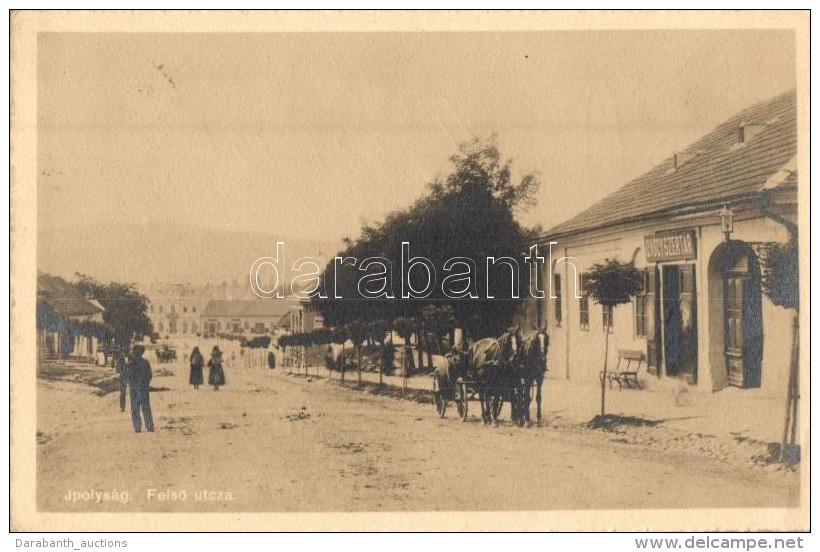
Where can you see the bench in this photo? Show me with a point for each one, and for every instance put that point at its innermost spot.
(626, 371)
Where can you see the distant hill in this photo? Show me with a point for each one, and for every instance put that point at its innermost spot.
(164, 253)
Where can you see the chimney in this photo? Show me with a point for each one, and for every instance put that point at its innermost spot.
(683, 158)
(747, 131)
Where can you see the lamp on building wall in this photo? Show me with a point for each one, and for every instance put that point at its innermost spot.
(727, 222)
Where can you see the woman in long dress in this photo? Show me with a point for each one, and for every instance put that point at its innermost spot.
(216, 374)
(197, 361)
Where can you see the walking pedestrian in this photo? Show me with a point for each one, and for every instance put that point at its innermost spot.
(122, 363)
(139, 378)
(197, 361)
(216, 373)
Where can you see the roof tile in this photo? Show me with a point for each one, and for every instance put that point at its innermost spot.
(721, 168)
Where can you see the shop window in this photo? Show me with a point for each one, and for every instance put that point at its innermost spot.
(583, 305)
(607, 317)
(557, 291)
(640, 305)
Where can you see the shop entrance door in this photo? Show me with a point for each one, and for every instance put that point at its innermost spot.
(743, 330)
(653, 322)
(680, 322)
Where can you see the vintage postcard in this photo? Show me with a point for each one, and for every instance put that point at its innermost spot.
(409, 271)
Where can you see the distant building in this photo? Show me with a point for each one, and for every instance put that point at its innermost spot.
(247, 316)
(176, 309)
(701, 317)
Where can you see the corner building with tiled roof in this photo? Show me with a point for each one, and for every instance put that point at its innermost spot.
(701, 317)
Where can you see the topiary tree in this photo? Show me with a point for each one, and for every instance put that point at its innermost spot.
(294, 344)
(439, 321)
(303, 340)
(357, 333)
(259, 342)
(404, 327)
(780, 281)
(611, 284)
(286, 342)
(340, 337)
(377, 330)
(418, 329)
(320, 337)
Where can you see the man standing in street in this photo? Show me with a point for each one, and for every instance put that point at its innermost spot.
(139, 379)
(122, 363)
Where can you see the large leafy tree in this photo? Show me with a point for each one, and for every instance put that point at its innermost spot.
(780, 280)
(125, 308)
(780, 274)
(468, 213)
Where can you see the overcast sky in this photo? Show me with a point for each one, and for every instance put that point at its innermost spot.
(309, 134)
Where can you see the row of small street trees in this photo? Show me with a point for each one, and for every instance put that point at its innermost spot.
(429, 332)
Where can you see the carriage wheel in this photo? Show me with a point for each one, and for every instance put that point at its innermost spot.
(461, 400)
(441, 403)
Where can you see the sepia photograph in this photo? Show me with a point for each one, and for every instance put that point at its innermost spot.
(440, 271)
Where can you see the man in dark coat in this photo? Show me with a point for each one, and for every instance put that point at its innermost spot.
(139, 379)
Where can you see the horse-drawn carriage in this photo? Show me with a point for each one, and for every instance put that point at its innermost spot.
(166, 354)
(493, 371)
(461, 392)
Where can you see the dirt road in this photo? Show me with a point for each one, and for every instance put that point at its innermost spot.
(270, 442)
